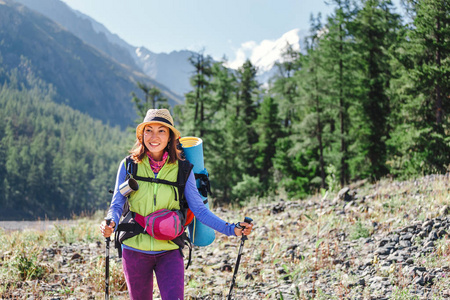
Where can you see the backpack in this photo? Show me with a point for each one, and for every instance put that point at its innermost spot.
(129, 227)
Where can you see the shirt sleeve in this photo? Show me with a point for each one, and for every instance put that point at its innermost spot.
(118, 201)
(201, 212)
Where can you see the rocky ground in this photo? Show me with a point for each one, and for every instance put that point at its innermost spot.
(387, 240)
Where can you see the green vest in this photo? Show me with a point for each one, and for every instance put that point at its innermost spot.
(151, 197)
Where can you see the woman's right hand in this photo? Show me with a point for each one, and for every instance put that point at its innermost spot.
(107, 230)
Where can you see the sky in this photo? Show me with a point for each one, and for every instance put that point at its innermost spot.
(219, 28)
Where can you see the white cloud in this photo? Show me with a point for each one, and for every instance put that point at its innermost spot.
(242, 54)
(266, 53)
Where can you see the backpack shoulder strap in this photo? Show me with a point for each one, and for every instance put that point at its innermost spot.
(131, 167)
(184, 169)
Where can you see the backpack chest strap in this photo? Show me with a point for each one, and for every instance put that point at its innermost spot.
(157, 180)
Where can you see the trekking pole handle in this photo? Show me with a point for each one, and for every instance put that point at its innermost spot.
(238, 225)
(246, 220)
(108, 221)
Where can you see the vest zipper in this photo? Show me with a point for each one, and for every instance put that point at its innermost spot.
(155, 189)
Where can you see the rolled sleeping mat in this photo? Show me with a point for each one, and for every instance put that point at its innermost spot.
(199, 233)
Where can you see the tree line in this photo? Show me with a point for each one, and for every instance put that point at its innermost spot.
(367, 97)
(55, 162)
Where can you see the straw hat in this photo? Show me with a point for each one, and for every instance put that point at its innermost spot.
(160, 116)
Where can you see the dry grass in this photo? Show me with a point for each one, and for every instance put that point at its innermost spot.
(294, 250)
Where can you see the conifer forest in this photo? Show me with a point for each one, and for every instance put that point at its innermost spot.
(367, 97)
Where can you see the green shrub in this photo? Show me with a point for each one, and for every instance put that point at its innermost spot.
(359, 230)
(28, 267)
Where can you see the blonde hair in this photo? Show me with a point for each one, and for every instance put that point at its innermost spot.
(139, 149)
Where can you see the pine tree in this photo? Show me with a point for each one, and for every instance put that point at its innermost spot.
(246, 109)
(247, 86)
(421, 137)
(376, 31)
(197, 100)
(299, 160)
(285, 87)
(336, 46)
(309, 132)
(268, 127)
(222, 144)
(153, 99)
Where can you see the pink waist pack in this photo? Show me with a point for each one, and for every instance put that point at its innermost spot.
(163, 224)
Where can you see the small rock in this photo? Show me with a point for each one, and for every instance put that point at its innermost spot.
(427, 223)
(383, 242)
(406, 236)
(278, 208)
(419, 281)
(441, 233)
(226, 268)
(429, 244)
(404, 244)
(383, 251)
(445, 210)
(395, 238)
(410, 261)
(422, 234)
(433, 235)
(76, 256)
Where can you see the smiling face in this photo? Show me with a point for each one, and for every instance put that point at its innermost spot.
(156, 138)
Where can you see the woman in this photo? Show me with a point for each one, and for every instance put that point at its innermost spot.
(156, 154)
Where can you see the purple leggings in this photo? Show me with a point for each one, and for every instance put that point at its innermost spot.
(169, 269)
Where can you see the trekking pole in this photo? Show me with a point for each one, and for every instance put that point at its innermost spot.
(107, 240)
(238, 260)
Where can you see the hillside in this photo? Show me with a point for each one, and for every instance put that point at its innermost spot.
(387, 240)
(172, 70)
(83, 27)
(84, 78)
(54, 160)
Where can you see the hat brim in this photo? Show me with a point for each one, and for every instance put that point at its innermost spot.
(140, 128)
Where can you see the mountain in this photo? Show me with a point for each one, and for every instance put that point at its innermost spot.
(170, 69)
(84, 27)
(84, 77)
(268, 53)
(265, 55)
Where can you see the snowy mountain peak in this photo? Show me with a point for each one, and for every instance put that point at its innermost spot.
(143, 53)
(265, 54)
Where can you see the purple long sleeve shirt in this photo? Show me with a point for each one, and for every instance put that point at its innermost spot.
(194, 200)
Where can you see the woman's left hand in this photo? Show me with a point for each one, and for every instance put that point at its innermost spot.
(246, 229)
